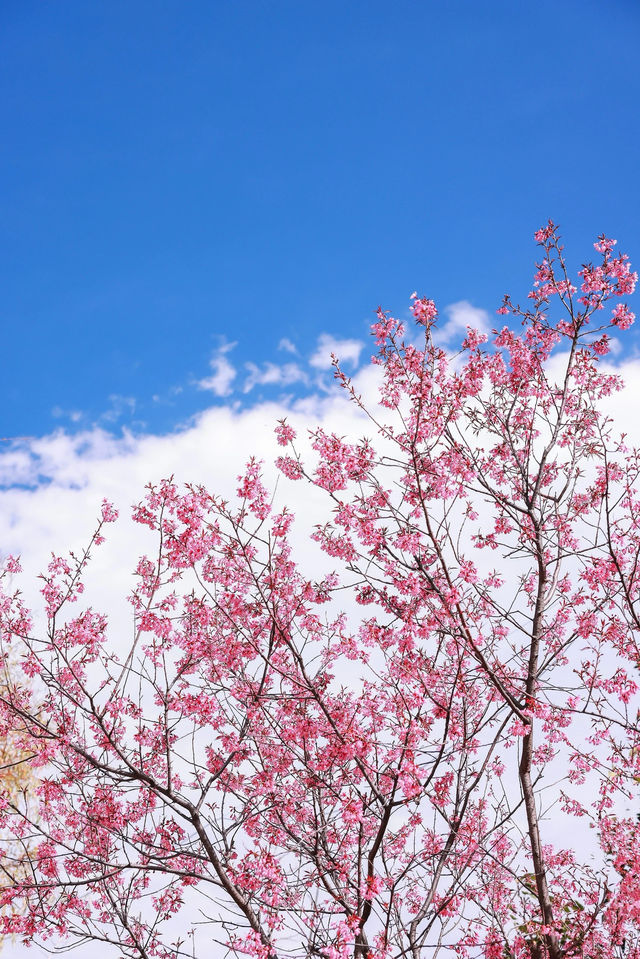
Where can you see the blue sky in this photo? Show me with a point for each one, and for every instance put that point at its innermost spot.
(178, 177)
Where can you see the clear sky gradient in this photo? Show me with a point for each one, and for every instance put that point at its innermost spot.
(177, 177)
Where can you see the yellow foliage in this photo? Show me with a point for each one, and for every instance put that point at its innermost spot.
(17, 782)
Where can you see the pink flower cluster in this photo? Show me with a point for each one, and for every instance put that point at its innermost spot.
(357, 762)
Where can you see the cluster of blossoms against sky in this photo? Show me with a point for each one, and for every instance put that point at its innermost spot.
(408, 752)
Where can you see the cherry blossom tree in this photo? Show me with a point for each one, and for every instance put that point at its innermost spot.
(431, 748)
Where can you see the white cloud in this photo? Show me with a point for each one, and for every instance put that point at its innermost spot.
(222, 372)
(271, 374)
(460, 315)
(286, 345)
(74, 415)
(168, 395)
(51, 487)
(347, 351)
(119, 406)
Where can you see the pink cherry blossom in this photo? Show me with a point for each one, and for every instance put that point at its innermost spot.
(433, 746)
